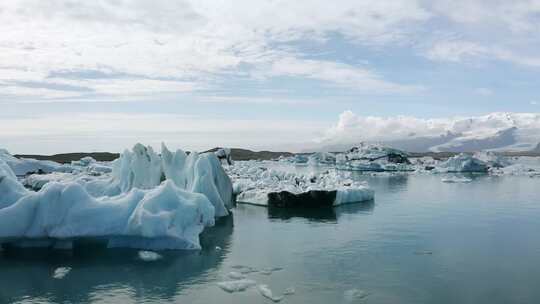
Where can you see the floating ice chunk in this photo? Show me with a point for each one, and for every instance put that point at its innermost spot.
(456, 179)
(236, 275)
(259, 186)
(462, 163)
(355, 295)
(289, 291)
(236, 285)
(269, 271)
(24, 166)
(267, 293)
(149, 256)
(61, 272)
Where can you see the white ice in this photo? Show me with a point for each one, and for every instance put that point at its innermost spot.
(164, 217)
(61, 272)
(149, 256)
(236, 285)
(253, 183)
(266, 292)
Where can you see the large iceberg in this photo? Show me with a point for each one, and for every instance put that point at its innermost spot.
(144, 169)
(147, 201)
(164, 217)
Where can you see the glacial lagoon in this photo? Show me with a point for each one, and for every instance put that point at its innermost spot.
(420, 241)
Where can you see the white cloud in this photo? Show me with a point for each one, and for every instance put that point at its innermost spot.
(339, 74)
(484, 91)
(185, 40)
(353, 128)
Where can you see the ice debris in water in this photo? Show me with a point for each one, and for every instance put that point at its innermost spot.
(61, 272)
(456, 179)
(355, 294)
(244, 269)
(236, 285)
(269, 271)
(236, 275)
(149, 256)
(289, 291)
(267, 293)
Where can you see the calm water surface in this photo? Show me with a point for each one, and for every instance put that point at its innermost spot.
(420, 241)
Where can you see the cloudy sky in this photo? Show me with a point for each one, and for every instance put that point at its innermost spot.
(104, 74)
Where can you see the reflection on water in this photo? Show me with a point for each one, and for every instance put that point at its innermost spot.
(420, 241)
(98, 274)
(325, 214)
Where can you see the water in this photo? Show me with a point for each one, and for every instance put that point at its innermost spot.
(420, 241)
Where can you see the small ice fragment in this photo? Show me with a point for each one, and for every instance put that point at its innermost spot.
(266, 271)
(248, 270)
(355, 294)
(423, 252)
(277, 268)
(267, 293)
(61, 272)
(149, 256)
(456, 180)
(218, 248)
(237, 285)
(289, 291)
(236, 275)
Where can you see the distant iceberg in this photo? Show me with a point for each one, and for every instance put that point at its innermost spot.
(462, 163)
(26, 166)
(258, 185)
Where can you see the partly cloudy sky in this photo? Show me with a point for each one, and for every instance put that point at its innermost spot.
(104, 74)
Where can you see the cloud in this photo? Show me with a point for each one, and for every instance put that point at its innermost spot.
(352, 128)
(484, 91)
(340, 74)
(459, 51)
(187, 41)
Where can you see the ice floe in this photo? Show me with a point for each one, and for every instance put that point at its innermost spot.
(456, 179)
(149, 256)
(236, 285)
(61, 272)
(266, 292)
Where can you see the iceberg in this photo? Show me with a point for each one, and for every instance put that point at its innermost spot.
(25, 166)
(462, 163)
(142, 168)
(373, 157)
(267, 187)
(148, 201)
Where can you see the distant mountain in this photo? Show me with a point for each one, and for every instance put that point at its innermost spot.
(496, 131)
(244, 154)
(69, 157)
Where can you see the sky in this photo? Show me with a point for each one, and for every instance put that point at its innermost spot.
(261, 74)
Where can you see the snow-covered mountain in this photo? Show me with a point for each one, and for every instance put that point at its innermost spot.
(495, 131)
